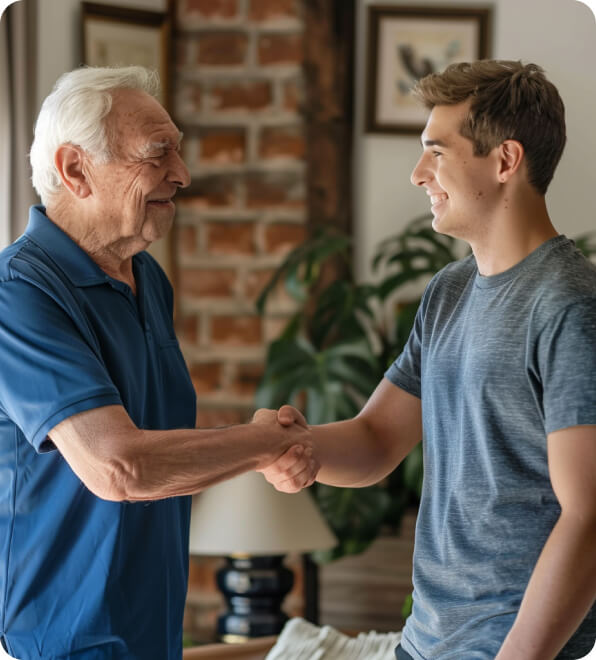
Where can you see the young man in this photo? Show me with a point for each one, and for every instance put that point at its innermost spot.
(499, 377)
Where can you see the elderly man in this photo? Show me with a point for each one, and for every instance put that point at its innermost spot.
(97, 412)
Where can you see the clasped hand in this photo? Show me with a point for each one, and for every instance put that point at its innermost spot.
(296, 467)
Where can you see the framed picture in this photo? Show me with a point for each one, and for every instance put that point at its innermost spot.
(114, 36)
(118, 36)
(407, 43)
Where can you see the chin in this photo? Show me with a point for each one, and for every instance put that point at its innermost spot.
(438, 225)
(155, 231)
(442, 226)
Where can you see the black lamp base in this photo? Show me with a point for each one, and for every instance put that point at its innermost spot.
(254, 589)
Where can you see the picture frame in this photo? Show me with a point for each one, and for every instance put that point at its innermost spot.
(120, 36)
(404, 44)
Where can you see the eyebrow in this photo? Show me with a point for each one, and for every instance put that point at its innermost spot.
(163, 144)
(434, 143)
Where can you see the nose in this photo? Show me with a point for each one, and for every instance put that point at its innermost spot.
(421, 173)
(178, 172)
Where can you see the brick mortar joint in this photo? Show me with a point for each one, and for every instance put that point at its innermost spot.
(195, 354)
(236, 119)
(247, 262)
(197, 217)
(226, 398)
(238, 74)
(233, 307)
(199, 26)
(295, 169)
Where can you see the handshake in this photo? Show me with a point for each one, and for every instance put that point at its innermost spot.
(291, 464)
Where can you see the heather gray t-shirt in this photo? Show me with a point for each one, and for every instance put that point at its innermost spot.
(498, 362)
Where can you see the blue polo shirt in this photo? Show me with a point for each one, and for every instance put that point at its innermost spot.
(81, 577)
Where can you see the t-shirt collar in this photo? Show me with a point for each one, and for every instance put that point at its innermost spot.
(490, 281)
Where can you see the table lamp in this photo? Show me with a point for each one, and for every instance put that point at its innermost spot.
(252, 525)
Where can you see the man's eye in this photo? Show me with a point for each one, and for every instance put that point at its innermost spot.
(436, 154)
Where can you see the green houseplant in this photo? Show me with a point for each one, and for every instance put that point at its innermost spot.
(336, 347)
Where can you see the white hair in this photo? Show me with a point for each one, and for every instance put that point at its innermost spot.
(75, 112)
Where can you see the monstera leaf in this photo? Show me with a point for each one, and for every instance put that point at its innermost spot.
(355, 515)
(330, 384)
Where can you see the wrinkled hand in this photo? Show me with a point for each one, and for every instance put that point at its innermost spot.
(297, 467)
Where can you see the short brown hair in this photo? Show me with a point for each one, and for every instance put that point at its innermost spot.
(509, 101)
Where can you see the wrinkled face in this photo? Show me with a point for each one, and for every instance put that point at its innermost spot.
(132, 193)
(462, 187)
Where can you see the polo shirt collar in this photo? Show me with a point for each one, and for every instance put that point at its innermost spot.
(72, 259)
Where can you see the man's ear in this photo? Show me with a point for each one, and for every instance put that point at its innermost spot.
(69, 160)
(511, 155)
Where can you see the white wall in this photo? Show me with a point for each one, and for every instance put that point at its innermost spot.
(560, 36)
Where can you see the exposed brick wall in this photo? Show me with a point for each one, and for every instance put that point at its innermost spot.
(237, 95)
(262, 91)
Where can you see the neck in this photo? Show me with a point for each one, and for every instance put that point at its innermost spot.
(511, 236)
(116, 267)
(110, 258)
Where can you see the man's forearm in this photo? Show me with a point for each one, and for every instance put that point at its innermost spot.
(352, 455)
(559, 594)
(118, 461)
(183, 462)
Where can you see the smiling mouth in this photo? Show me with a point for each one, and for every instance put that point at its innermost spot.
(161, 202)
(437, 199)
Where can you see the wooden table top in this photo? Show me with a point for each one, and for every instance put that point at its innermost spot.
(254, 649)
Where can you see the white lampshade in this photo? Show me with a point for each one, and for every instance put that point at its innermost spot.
(247, 515)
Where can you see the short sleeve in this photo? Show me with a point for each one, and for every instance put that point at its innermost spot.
(567, 366)
(405, 372)
(50, 370)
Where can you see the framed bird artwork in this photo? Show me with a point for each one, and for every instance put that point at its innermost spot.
(407, 43)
